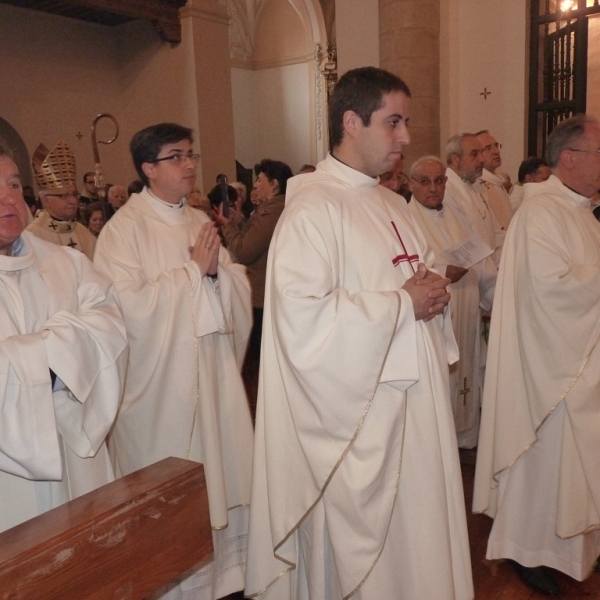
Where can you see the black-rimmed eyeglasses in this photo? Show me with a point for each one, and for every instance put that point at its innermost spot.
(179, 159)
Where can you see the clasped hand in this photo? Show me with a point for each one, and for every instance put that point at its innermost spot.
(428, 293)
(205, 251)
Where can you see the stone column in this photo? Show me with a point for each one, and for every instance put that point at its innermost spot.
(409, 45)
(205, 28)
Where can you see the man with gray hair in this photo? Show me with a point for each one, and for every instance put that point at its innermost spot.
(471, 288)
(539, 450)
(491, 179)
(466, 195)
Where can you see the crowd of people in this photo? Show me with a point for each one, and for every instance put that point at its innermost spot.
(323, 345)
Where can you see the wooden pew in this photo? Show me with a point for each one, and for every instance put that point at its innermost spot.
(120, 542)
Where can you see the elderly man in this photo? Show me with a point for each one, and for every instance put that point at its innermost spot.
(466, 195)
(470, 289)
(492, 181)
(63, 354)
(356, 476)
(539, 450)
(117, 197)
(54, 172)
(187, 312)
(531, 170)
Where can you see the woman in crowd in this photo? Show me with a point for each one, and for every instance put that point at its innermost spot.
(94, 217)
(250, 245)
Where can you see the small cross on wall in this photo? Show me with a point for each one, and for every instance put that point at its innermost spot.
(485, 93)
(79, 135)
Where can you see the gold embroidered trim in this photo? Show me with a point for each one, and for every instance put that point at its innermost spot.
(336, 467)
(563, 396)
(261, 592)
(197, 353)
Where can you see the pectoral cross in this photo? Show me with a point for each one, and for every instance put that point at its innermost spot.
(71, 243)
(464, 392)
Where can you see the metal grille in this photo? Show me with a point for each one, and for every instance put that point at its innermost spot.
(558, 62)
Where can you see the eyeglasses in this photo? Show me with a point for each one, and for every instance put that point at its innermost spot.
(426, 182)
(179, 159)
(65, 196)
(91, 181)
(586, 151)
(490, 146)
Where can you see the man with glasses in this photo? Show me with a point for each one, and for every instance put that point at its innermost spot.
(539, 450)
(466, 195)
(90, 193)
(470, 288)
(188, 317)
(54, 173)
(491, 179)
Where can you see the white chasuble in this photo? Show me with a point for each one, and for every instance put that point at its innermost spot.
(64, 233)
(544, 355)
(57, 313)
(498, 198)
(356, 474)
(184, 394)
(469, 202)
(442, 229)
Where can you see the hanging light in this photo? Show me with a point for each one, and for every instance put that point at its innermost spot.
(566, 5)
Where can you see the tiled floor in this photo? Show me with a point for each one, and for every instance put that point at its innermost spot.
(497, 581)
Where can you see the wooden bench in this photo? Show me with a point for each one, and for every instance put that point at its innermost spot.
(121, 542)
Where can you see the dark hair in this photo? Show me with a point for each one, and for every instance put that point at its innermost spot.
(274, 169)
(215, 195)
(146, 144)
(564, 135)
(135, 187)
(86, 175)
(90, 209)
(5, 152)
(529, 166)
(360, 90)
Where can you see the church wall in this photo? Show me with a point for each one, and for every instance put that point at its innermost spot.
(273, 101)
(483, 46)
(357, 34)
(409, 45)
(244, 84)
(59, 73)
(593, 82)
(283, 124)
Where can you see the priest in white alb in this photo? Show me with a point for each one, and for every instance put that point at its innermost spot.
(471, 289)
(357, 491)
(63, 353)
(466, 195)
(188, 317)
(491, 180)
(538, 459)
